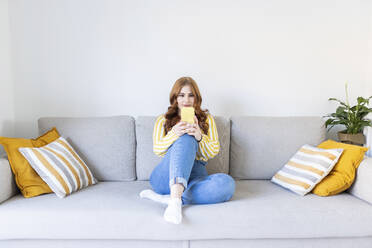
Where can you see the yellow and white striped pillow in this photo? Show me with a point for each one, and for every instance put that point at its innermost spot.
(59, 166)
(306, 168)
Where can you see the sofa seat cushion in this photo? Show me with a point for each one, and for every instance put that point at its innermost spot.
(113, 210)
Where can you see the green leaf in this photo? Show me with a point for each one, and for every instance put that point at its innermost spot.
(361, 100)
(341, 110)
(341, 102)
(328, 122)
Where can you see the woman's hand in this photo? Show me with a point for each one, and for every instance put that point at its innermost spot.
(194, 129)
(180, 128)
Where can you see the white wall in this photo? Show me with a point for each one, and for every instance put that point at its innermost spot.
(6, 86)
(95, 58)
(368, 131)
(369, 65)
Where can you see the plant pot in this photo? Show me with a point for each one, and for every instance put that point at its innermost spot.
(354, 139)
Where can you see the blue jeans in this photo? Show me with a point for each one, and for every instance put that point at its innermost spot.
(180, 166)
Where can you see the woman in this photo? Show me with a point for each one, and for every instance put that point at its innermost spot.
(185, 149)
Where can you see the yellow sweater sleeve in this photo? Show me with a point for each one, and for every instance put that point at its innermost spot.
(162, 142)
(209, 146)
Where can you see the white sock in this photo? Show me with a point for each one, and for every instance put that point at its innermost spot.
(173, 213)
(150, 194)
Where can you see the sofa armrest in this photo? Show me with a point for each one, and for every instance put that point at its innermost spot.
(367, 131)
(8, 187)
(362, 187)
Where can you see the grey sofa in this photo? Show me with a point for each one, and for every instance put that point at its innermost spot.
(118, 150)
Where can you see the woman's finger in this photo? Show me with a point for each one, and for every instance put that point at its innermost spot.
(192, 129)
(195, 119)
(182, 127)
(191, 133)
(180, 124)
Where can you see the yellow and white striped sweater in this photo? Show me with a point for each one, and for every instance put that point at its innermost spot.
(208, 148)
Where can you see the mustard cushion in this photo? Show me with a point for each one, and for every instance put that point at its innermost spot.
(27, 180)
(343, 174)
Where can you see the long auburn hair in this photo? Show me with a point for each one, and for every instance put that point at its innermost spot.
(172, 117)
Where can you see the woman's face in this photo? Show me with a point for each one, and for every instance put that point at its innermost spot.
(185, 98)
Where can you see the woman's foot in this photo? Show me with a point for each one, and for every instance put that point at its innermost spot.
(173, 213)
(150, 194)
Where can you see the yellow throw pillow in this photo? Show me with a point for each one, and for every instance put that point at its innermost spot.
(343, 174)
(27, 180)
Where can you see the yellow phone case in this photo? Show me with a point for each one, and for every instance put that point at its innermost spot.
(187, 114)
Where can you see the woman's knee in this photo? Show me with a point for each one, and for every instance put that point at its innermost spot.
(226, 185)
(186, 138)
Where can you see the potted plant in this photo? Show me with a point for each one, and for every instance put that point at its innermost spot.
(352, 117)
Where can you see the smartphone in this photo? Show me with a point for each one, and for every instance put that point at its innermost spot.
(187, 114)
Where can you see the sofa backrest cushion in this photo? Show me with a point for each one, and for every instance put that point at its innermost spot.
(146, 160)
(260, 146)
(106, 144)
